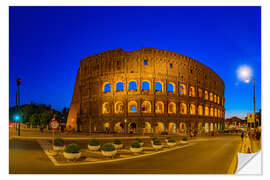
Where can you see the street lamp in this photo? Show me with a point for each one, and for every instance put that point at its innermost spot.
(18, 83)
(125, 127)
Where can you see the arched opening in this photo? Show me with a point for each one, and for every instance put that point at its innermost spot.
(183, 108)
(200, 128)
(206, 95)
(106, 126)
(132, 85)
(211, 96)
(147, 128)
(132, 107)
(159, 107)
(200, 110)
(206, 111)
(119, 127)
(182, 127)
(182, 89)
(119, 86)
(107, 87)
(215, 98)
(206, 127)
(192, 91)
(106, 108)
(211, 112)
(171, 108)
(132, 128)
(218, 99)
(216, 113)
(219, 127)
(200, 92)
(145, 86)
(146, 107)
(192, 109)
(160, 127)
(119, 107)
(215, 127)
(211, 127)
(171, 87)
(158, 87)
(172, 128)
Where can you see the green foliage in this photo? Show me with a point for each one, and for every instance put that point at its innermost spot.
(72, 148)
(93, 142)
(59, 142)
(157, 142)
(135, 144)
(138, 139)
(108, 147)
(184, 138)
(35, 119)
(117, 141)
(171, 140)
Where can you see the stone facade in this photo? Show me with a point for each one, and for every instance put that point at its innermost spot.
(108, 93)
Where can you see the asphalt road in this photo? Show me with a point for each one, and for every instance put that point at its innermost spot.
(213, 156)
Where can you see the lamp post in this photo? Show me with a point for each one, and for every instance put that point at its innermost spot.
(18, 83)
(125, 127)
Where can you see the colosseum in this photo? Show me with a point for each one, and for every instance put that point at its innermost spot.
(146, 91)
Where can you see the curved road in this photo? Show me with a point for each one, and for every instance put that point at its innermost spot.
(211, 156)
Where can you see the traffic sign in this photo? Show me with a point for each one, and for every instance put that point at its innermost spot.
(54, 124)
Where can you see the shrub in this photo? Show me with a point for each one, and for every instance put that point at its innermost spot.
(58, 142)
(117, 141)
(184, 138)
(157, 142)
(135, 144)
(72, 148)
(93, 142)
(171, 140)
(108, 147)
(154, 138)
(139, 140)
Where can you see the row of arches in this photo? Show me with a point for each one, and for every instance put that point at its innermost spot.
(146, 107)
(159, 127)
(182, 89)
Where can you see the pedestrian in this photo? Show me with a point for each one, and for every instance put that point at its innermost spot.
(242, 136)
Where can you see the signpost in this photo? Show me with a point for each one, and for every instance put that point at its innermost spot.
(54, 124)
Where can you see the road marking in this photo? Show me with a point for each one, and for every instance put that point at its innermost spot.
(44, 145)
(233, 166)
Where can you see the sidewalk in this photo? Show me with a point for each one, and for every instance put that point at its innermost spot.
(250, 145)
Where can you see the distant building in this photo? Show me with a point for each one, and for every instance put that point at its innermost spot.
(254, 119)
(234, 122)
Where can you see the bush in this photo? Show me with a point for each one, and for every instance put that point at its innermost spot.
(108, 147)
(58, 142)
(184, 138)
(117, 141)
(72, 148)
(157, 142)
(154, 138)
(135, 144)
(93, 142)
(139, 140)
(171, 140)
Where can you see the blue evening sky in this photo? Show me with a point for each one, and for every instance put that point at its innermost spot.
(47, 44)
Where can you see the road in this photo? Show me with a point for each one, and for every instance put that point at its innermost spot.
(213, 156)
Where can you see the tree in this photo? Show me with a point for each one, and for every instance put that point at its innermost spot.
(35, 119)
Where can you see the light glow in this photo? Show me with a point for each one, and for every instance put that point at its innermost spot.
(244, 73)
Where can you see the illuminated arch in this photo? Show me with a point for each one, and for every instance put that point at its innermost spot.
(146, 107)
(160, 127)
(200, 110)
(171, 108)
(132, 85)
(106, 87)
(192, 109)
(206, 127)
(106, 125)
(192, 91)
(211, 111)
(211, 127)
(119, 86)
(211, 96)
(118, 127)
(206, 95)
(119, 107)
(182, 127)
(146, 85)
(171, 87)
(200, 92)
(132, 107)
(159, 86)
(159, 107)
(183, 108)
(147, 128)
(172, 128)
(182, 89)
(216, 113)
(218, 99)
(215, 98)
(206, 111)
(106, 108)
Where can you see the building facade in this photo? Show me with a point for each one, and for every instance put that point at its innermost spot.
(146, 91)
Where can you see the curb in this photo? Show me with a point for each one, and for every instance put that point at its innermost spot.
(233, 166)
